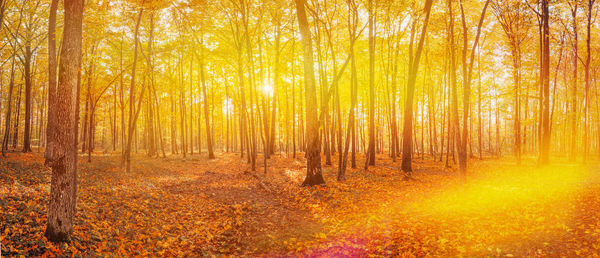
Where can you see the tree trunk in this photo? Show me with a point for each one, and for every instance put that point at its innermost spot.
(313, 147)
(371, 150)
(209, 143)
(545, 145)
(28, 86)
(587, 81)
(62, 149)
(407, 141)
(132, 112)
(573, 113)
(52, 65)
(468, 73)
(8, 107)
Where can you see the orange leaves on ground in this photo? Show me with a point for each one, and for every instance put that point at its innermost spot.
(195, 206)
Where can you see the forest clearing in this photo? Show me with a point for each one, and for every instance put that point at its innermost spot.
(193, 206)
(304, 128)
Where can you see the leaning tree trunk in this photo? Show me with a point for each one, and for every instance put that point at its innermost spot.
(407, 142)
(61, 154)
(132, 112)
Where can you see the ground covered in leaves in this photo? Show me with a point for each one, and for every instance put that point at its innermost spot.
(200, 207)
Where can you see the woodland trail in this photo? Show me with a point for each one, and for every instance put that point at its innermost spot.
(200, 207)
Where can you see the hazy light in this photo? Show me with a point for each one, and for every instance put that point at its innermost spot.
(267, 89)
(227, 106)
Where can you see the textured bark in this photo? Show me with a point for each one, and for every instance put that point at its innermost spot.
(61, 155)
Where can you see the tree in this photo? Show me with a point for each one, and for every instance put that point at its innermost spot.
(574, 6)
(515, 25)
(31, 38)
(586, 108)
(52, 65)
(313, 148)
(61, 155)
(133, 112)
(413, 64)
(371, 150)
(545, 144)
(467, 76)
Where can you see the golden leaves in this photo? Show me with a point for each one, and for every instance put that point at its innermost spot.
(179, 209)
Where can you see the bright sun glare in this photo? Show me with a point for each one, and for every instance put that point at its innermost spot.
(267, 89)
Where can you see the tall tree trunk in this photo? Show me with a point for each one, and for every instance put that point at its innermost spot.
(573, 113)
(173, 122)
(371, 150)
(587, 81)
(8, 107)
(28, 81)
(132, 112)
(52, 65)
(62, 153)
(15, 135)
(209, 142)
(313, 148)
(545, 144)
(468, 73)
(407, 141)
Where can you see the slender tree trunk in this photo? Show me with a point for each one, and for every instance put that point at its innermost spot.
(28, 86)
(587, 81)
(573, 113)
(15, 136)
(209, 143)
(132, 112)
(407, 142)
(468, 73)
(8, 107)
(371, 150)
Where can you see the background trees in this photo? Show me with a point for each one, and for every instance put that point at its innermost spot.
(196, 78)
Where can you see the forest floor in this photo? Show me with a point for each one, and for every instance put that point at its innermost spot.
(198, 207)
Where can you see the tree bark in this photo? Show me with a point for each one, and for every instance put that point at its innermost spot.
(61, 155)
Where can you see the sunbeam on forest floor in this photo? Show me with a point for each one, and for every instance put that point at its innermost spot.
(501, 212)
(196, 206)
